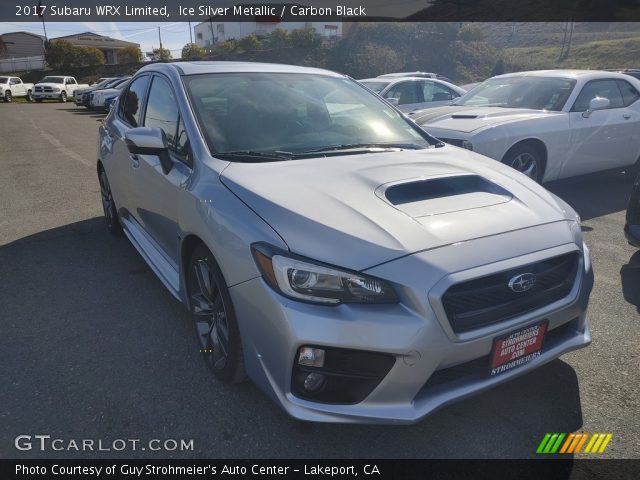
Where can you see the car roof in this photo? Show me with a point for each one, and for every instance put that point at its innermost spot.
(583, 74)
(196, 68)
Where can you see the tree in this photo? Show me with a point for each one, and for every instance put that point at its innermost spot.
(279, 38)
(305, 38)
(88, 57)
(162, 54)
(3, 47)
(249, 43)
(130, 54)
(191, 51)
(60, 54)
(226, 47)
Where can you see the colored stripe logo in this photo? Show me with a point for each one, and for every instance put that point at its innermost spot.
(574, 443)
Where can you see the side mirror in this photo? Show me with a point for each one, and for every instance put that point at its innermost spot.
(393, 100)
(597, 103)
(149, 141)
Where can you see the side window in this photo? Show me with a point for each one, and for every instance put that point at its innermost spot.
(132, 101)
(405, 92)
(162, 112)
(629, 93)
(14, 81)
(434, 92)
(598, 88)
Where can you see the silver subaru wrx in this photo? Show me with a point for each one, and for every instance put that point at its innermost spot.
(354, 267)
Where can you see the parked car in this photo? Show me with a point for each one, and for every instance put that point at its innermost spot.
(547, 124)
(410, 94)
(417, 74)
(56, 87)
(98, 97)
(13, 87)
(632, 224)
(634, 72)
(354, 267)
(109, 102)
(100, 83)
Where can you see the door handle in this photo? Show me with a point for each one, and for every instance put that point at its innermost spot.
(626, 116)
(135, 161)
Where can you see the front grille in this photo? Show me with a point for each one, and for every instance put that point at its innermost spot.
(38, 89)
(488, 300)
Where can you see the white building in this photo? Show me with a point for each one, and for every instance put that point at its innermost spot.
(211, 32)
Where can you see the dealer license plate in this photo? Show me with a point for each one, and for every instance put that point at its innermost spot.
(517, 348)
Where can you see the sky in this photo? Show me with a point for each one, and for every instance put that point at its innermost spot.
(174, 35)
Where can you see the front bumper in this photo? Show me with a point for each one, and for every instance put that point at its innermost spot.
(433, 365)
(47, 95)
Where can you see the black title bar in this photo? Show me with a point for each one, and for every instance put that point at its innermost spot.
(319, 10)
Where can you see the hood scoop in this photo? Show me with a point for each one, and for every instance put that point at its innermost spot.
(446, 194)
(463, 116)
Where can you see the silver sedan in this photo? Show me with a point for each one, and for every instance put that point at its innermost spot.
(354, 267)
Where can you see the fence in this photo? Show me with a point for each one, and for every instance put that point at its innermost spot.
(21, 64)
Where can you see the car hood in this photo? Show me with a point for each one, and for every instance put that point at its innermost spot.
(358, 211)
(108, 91)
(59, 85)
(467, 119)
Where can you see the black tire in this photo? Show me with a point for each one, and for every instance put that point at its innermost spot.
(63, 97)
(109, 205)
(214, 315)
(8, 97)
(527, 159)
(29, 96)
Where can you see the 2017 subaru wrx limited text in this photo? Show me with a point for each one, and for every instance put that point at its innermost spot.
(354, 267)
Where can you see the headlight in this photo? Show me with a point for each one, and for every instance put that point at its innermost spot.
(303, 279)
(56, 89)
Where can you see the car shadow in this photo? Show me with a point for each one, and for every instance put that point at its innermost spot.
(630, 279)
(594, 195)
(94, 343)
(83, 111)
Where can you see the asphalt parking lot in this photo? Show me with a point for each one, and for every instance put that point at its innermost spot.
(94, 347)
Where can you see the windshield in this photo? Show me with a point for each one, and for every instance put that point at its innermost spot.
(538, 93)
(295, 114)
(52, 80)
(375, 86)
(4, 79)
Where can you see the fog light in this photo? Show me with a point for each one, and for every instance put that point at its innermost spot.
(311, 357)
(313, 382)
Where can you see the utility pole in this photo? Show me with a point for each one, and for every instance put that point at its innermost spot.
(160, 39)
(190, 32)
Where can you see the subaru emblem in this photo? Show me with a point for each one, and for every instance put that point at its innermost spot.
(523, 282)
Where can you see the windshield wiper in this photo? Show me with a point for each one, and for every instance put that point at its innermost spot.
(353, 146)
(254, 156)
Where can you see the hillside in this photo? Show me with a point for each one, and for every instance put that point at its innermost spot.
(604, 54)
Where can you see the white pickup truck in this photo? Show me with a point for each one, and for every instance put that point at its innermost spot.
(13, 87)
(56, 87)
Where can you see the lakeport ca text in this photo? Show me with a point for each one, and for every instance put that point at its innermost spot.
(204, 470)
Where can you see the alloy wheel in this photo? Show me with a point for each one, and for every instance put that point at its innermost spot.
(526, 163)
(211, 315)
(107, 199)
